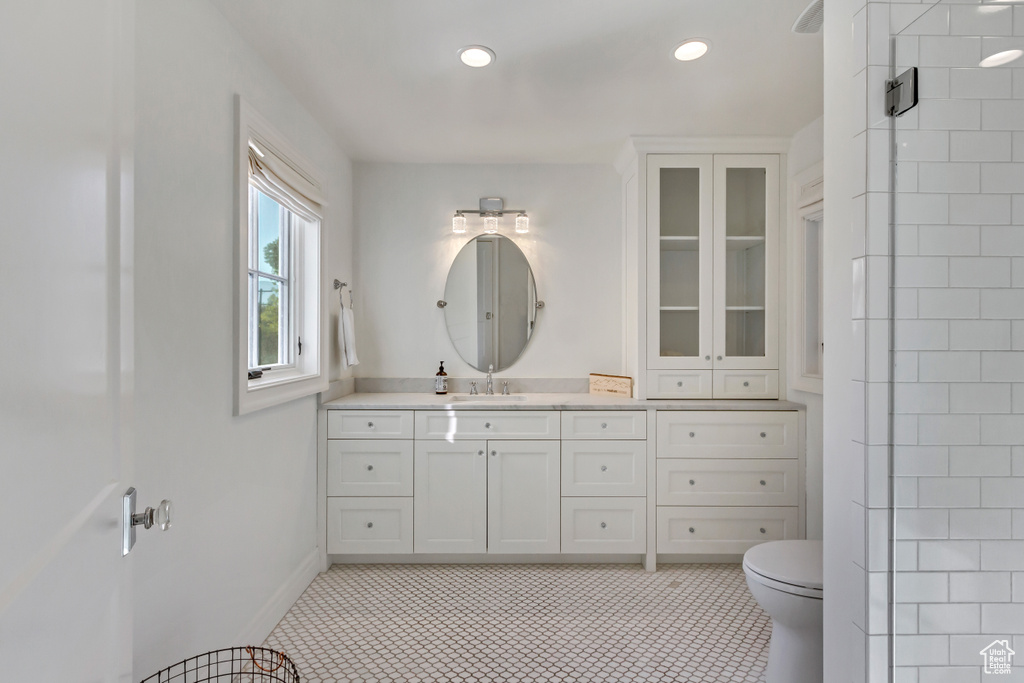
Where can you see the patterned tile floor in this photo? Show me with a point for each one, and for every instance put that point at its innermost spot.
(693, 623)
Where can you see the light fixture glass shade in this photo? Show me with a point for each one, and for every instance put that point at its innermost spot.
(458, 223)
(490, 224)
(522, 224)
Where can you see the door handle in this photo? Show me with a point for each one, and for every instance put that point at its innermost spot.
(148, 518)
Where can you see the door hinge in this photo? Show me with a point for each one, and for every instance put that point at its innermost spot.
(901, 93)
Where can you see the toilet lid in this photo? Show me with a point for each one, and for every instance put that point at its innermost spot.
(797, 563)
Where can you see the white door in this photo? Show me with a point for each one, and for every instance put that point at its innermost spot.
(523, 496)
(65, 338)
(450, 504)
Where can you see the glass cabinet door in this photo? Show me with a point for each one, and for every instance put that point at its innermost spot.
(746, 262)
(679, 258)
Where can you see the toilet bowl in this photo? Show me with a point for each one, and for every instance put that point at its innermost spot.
(785, 579)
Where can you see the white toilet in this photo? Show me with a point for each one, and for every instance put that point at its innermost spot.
(785, 579)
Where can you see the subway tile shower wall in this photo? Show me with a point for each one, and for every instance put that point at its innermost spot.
(957, 409)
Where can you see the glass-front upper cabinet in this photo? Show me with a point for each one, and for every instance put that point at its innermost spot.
(712, 263)
(746, 220)
(679, 261)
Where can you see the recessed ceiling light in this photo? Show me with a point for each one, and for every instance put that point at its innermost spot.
(691, 49)
(1000, 58)
(476, 55)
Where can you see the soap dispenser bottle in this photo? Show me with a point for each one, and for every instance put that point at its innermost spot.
(441, 381)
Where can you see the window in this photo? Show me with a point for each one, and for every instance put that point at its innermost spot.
(807, 346)
(279, 311)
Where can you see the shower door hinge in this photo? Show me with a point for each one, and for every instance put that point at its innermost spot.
(901, 93)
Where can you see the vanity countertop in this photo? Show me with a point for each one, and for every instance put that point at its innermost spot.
(540, 401)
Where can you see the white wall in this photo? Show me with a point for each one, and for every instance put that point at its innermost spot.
(807, 149)
(244, 488)
(404, 246)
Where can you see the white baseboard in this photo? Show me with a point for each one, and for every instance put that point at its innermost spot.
(281, 601)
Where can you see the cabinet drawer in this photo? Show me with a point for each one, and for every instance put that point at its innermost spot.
(604, 525)
(745, 384)
(369, 468)
(369, 424)
(727, 434)
(722, 530)
(604, 468)
(683, 481)
(604, 424)
(369, 525)
(479, 424)
(679, 384)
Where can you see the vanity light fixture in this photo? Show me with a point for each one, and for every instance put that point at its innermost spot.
(691, 49)
(491, 209)
(476, 55)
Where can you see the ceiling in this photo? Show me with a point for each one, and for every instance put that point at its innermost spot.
(573, 79)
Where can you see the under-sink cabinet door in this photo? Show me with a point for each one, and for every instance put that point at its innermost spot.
(684, 481)
(723, 530)
(522, 497)
(450, 497)
(480, 424)
(604, 525)
(604, 468)
(369, 525)
(604, 424)
(360, 467)
(728, 434)
(369, 424)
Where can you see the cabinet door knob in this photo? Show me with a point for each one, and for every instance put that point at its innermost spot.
(762, 530)
(707, 357)
(719, 358)
(762, 483)
(692, 530)
(603, 525)
(369, 525)
(763, 434)
(369, 468)
(494, 453)
(370, 425)
(692, 482)
(604, 468)
(692, 434)
(679, 384)
(604, 425)
(487, 425)
(480, 453)
(746, 384)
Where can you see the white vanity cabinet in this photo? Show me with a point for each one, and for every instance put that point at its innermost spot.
(707, 274)
(369, 481)
(604, 481)
(493, 495)
(727, 480)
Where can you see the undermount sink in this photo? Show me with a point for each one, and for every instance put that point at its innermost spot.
(495, 398)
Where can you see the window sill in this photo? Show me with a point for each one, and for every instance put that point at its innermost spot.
(274, 390)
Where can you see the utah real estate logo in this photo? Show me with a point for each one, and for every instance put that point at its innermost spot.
(998, 657)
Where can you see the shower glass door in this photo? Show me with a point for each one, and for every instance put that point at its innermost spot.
(957, 349)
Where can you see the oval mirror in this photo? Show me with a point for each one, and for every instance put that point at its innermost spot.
(492, 302)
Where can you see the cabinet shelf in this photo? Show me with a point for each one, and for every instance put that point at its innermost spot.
(744, 308)
(738, 243)
(678, 308)
(680, 243)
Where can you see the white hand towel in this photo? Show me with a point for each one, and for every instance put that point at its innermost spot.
(341, 338)
(348, 334)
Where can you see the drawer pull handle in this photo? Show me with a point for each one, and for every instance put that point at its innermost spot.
(369, 468)
(494, 453)
(719, 358)
(679, 384)
(746, 384)
(692, 435)
(370, 425)
(763, 435)
(603, 525)
(480, 453)
(604, 425)
(707, 357)
(369, 525)
(762, 483)
(487, 425)
(692, 482)
(604, 468)
(762, 530)
(692, 530)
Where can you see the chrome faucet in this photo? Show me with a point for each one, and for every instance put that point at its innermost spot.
(490, 380)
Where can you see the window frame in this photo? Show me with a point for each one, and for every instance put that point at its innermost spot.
(807, 200)
(290, 237)
(306, 373)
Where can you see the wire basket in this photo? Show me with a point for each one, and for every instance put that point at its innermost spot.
(232, 665)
